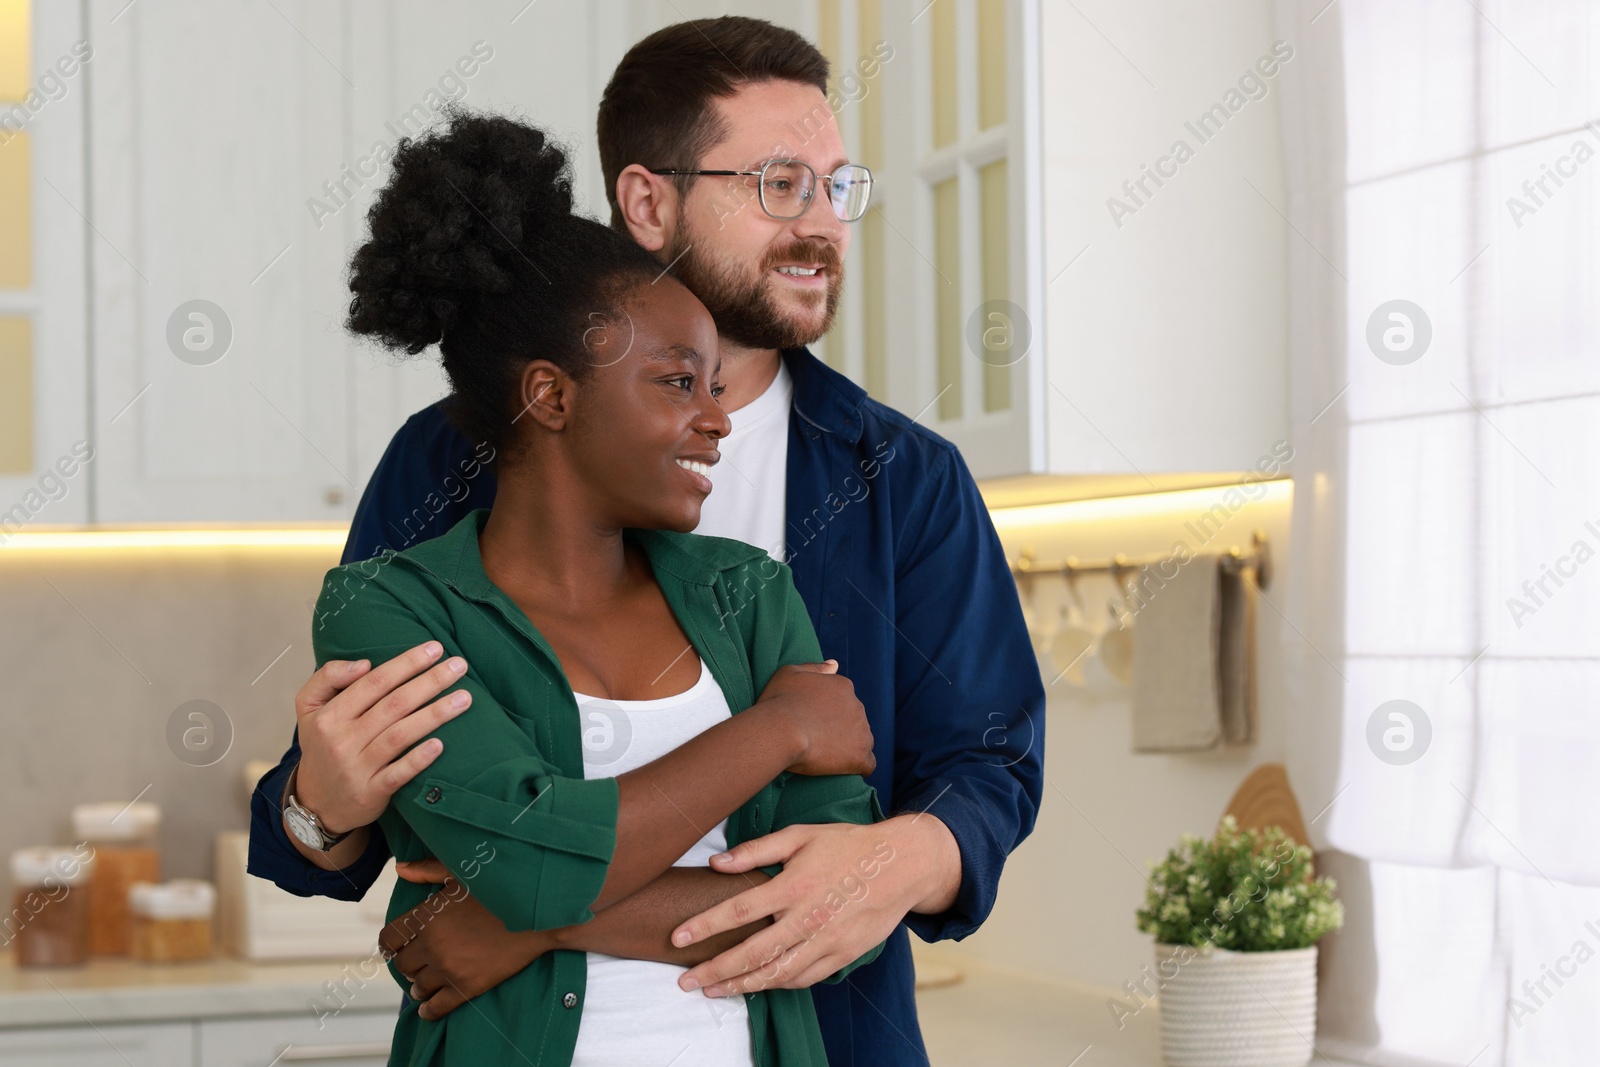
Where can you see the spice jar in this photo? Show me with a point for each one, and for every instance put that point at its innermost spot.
(123, 837)
(49, 918)
(173, 921)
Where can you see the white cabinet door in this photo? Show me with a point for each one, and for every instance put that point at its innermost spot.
(544, 62)
(234, 151)
(349, 1039)
(1165, 238)
(166, 1045)
(219, 367)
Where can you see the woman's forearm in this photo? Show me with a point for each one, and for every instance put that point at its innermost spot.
(670, 803)
(639, 927)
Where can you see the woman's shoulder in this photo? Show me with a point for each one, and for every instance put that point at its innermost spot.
(417, 578)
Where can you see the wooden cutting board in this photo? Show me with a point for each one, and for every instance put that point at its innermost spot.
(1265, 799)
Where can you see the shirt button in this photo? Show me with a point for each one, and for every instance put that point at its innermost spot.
(570, 1000)
(434, 795)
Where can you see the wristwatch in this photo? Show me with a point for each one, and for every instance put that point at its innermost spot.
(305, 826)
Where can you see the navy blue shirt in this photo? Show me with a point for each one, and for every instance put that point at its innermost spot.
(900, 568)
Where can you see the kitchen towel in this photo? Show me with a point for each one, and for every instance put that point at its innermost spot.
(1193, 682)
(1236, 654)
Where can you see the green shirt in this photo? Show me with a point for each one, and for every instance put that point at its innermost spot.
(506, 806)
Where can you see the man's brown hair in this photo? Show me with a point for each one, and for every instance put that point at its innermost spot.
(657, 109)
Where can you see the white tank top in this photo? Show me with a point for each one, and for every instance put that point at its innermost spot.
(633, 1010)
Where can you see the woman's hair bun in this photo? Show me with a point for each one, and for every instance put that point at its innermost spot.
(467, 207)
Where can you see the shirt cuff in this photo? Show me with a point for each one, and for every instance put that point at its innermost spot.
(273, 856)
(536, 866)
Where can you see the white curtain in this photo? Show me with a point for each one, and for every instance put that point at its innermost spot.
(1446, 153)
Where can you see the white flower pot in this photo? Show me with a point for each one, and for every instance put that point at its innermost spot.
(1237, 1009)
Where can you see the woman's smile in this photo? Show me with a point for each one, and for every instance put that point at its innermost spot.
(698, 468)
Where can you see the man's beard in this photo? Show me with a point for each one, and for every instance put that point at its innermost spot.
(742, 305)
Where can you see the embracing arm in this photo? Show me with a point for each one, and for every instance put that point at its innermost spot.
(456, 949)
(969, 745)
(638, 927)
(564, 847)
(358, 724)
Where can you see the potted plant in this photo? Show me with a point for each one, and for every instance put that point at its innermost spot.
(1236, 920)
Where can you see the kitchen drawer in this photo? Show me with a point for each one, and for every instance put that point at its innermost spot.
(350, 1039)
(167, 1045)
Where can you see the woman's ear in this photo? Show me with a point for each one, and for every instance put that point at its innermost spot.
(649, 206)
(546, 395)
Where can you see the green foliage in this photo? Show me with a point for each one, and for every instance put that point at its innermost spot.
(1244, 890)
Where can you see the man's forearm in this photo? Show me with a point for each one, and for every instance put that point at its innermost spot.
(639, 926)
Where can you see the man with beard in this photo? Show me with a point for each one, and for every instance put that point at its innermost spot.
(721, 156)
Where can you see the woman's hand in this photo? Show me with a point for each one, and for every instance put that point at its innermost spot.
(821, 705)
(451, 947)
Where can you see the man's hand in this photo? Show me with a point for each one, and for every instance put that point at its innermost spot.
(843, 889)
(451, 947)
(358, 726)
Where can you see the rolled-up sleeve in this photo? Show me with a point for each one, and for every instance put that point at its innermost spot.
(969, 717)
(273, 856)
(533, 845)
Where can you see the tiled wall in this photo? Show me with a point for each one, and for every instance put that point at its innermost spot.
(104, 646)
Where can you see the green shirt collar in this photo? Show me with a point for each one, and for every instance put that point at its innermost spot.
(698, 560)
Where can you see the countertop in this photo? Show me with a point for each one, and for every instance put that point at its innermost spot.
(988, 1015)
(992, 1015)
(122, 991)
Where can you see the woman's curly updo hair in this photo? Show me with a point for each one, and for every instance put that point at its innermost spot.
(474, 247)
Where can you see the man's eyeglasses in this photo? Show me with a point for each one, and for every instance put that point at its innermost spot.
(787, 186)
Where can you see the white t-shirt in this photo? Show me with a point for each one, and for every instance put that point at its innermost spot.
(633, 1010)
(751, 480)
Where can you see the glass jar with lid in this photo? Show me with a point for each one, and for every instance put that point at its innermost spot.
(172, 922)
(123, 837)
(50, 906)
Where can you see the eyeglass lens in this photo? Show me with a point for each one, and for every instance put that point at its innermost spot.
(787, 186)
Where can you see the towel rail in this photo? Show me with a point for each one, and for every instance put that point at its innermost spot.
(1258, 555)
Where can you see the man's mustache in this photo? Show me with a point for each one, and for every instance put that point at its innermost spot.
(823, 254)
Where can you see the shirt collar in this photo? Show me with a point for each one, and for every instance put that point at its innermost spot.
(823, 397)
(454, 557)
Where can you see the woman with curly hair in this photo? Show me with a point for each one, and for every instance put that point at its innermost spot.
(636, 697)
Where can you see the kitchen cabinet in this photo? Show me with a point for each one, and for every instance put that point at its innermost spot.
(162, 1045)
(1166, 334)
(233, 150)
(222, 1012)
(995, 295)
(353, 1039)
(940, 313)
(210, 172)
(220, 387)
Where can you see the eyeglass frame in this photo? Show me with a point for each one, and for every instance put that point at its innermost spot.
(761, 195)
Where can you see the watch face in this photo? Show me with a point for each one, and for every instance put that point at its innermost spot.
(303, 828)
